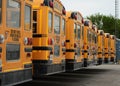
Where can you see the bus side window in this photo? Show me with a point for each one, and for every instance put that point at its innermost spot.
(82, 32)
(79, 32)
(12, 52)
(34, 21)
(75, 30)
(57, 24)
(88, 35)
(13, 14)
(63, 26)
(50, 21)
(27, 18)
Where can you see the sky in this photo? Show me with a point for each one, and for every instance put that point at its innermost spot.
(89, 7)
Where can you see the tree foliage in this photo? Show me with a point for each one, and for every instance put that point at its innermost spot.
(108, 23)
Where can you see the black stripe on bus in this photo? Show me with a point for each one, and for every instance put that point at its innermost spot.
(42, 48)
(84, 51)
(39, 35)
(70, 50)
(0, 50)
(67, 40)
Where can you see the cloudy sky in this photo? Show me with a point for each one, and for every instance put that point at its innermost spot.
(88, 7)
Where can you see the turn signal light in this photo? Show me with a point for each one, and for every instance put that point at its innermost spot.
(64, 12)
(82, 21)
(63, 53)
(75, 17)
(28, 55)
(51, 52)
(50, 41)
(51, 4)
(29, 41)
(75, 53)
(75, 45)
(87, 47)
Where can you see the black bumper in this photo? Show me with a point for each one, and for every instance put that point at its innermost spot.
(85, 62)
(15, 77)
(99, 61)
(112, 59)
(41, 68)
(72, 65)
(106, 60)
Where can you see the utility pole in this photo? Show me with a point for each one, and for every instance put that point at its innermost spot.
(116, 15)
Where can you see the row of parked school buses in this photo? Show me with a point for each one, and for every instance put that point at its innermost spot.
(39, 37)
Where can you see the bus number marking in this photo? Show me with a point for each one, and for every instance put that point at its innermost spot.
(15, 35)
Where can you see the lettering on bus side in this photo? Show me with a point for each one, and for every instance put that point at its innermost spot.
(15, 35)
(58, 6)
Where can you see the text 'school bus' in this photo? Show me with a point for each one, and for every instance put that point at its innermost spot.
(86, 43)
(106, 48)
(100, 50)
(74, 41)
(15, 41)
(112, 48)
(48, 37)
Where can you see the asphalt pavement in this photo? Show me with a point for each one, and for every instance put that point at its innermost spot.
(103, 75)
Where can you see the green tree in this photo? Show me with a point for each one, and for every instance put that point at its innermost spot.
(108, 23)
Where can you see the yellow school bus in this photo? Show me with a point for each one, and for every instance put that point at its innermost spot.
(112, 48)
(106, 48)
(15, 41)
(48, 37)
(94, 45)
(74, 41)
(87, 43)
(90, 43)
(100, 50)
